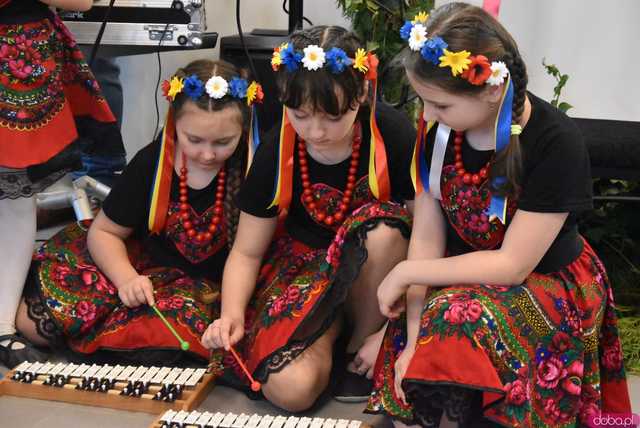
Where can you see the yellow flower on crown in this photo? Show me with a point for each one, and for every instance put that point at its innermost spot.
(458, 61)
(175, 87)
(420, 18)
(276, 59)
(360, 62)
(254, 93)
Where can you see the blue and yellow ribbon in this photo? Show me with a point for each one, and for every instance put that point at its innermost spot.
(501, 136)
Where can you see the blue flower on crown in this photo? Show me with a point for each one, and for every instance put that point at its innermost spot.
(337, 60)
(290, 58)
(193, 87)
(238, 87)
(433, 49)
(405, 31)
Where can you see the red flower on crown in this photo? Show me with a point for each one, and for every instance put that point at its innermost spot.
(479, 70)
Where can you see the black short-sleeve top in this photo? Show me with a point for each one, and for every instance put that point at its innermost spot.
(23, 11)
(257, 190)
(556, 177)
(128, 205)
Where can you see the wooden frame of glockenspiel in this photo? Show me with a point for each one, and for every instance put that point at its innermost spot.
(189, 400)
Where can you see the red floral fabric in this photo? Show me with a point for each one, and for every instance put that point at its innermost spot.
(544, 353)
(44, 84)
(299, 289)
(90, 316)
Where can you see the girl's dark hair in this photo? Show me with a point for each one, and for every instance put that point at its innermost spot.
(466, 27)
(204, 69)
(313, 87)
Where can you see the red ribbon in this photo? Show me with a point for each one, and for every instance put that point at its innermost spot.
(492, 6)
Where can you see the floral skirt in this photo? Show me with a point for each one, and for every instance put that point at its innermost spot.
(74, 305)
(45, 88)
(300, 291)
(545, 353)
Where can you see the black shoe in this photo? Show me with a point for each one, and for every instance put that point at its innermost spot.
(353, 388)
(12, 357)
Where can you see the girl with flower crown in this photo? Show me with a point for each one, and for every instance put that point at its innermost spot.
(508, 313)
(339, 168)
(50, 108)
(161, 238)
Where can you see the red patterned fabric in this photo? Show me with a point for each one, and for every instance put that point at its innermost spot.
(90, 316)
(45, 84)
(299, 289)
(544, 353)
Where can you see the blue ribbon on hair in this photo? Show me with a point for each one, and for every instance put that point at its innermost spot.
(498, 205)
(255, 141)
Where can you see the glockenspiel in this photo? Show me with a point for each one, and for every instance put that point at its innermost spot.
(135, 388)
(196, 419)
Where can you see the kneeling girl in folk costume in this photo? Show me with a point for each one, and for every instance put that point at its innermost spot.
(162, 236)
(518, 323)
(50, 108)
(339, 165)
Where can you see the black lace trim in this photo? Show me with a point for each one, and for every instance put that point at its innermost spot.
(45, 326)
(15, 184)
(459, 404)
(354, 255)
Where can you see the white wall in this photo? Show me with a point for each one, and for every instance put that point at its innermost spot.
(139, 73)
(594, 42)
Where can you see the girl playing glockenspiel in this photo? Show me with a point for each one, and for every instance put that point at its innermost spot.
(161, 238)
(339, 166)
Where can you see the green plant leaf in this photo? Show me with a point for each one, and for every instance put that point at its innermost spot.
(564, 107)
(563, 80)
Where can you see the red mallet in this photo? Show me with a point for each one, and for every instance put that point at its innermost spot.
(255, 385)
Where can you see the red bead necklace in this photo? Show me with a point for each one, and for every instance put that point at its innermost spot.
(467, 177)
(185, 215)
(308, 196)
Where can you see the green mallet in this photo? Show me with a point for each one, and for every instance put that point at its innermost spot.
(184, 345)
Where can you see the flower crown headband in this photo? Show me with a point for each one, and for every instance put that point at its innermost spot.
(476, 69)
(216, 87)
(314, 58)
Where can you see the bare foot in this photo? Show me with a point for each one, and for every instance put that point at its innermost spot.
(366, 356)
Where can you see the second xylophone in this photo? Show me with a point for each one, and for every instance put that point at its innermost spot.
(196, 419)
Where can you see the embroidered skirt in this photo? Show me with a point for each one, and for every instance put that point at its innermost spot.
(74, 305)
(300, 290)
(45, 88)
(545, 353)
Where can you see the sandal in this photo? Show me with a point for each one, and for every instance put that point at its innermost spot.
(12, 357)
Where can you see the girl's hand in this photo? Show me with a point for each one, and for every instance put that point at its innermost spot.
(400, 368)
(223, 333)
(136, 291)
(391, 293)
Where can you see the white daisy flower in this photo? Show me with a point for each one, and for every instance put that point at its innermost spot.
(313, 57)
(417, 37)
(499, 72)
(217, 87)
